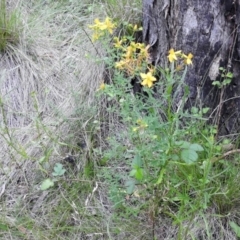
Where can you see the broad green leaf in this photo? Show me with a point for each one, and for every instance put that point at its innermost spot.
(137, 161)
(189, 156)
(139, 174)
(226, 82)
(196, 147)
(132, 173)
(58, 170)
(229, 75)
(235, 228)
(216, 83)
(205, 110)
(130, 184)
(46, 184)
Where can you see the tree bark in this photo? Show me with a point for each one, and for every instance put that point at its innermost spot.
(209, 29)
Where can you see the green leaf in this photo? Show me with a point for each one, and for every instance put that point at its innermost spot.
(189, 156)
(229, 75)
(183, 144)
(137, 162)
(46, 184)
(130, 184)
(186, 90)
(160, 178)
(175, 157)
(235, 228)
(205, 110)
(58, 170)
(139, 174)
(196, 147)
(42, 159)
(226, 141)
(3, 227)
(216, 83)
(194, 110)
(226, 82)
(132, 173)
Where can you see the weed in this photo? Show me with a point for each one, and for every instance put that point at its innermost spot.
(167, 153)
(9, 26)
(226, 78)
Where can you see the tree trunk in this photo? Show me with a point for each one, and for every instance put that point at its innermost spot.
(209, 29)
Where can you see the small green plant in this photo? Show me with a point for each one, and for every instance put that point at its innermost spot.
(226, 78)
(46, 184)
(58, 171)
(9, 26)
(163, 148)
(168, 153)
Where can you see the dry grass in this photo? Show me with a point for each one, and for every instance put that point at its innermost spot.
(44, 81)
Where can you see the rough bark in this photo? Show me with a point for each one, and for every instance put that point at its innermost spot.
(209, 30)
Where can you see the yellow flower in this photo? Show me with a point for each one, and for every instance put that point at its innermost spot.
(109, 25)
(106, 25)
(135, 129)
(118, 43)
(97, 24)
(173, 55)
(96, 36)
(144, 51)
(134, 46)
(141, 125)
(188, 59)
(102, 86)
(135, 28)
(148, 79)
(130, 51)
(120, 65)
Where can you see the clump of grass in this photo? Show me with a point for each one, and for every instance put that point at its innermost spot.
(9, 26)
(124, 10)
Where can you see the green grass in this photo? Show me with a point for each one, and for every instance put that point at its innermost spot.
(51, 113)
(10, 26)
